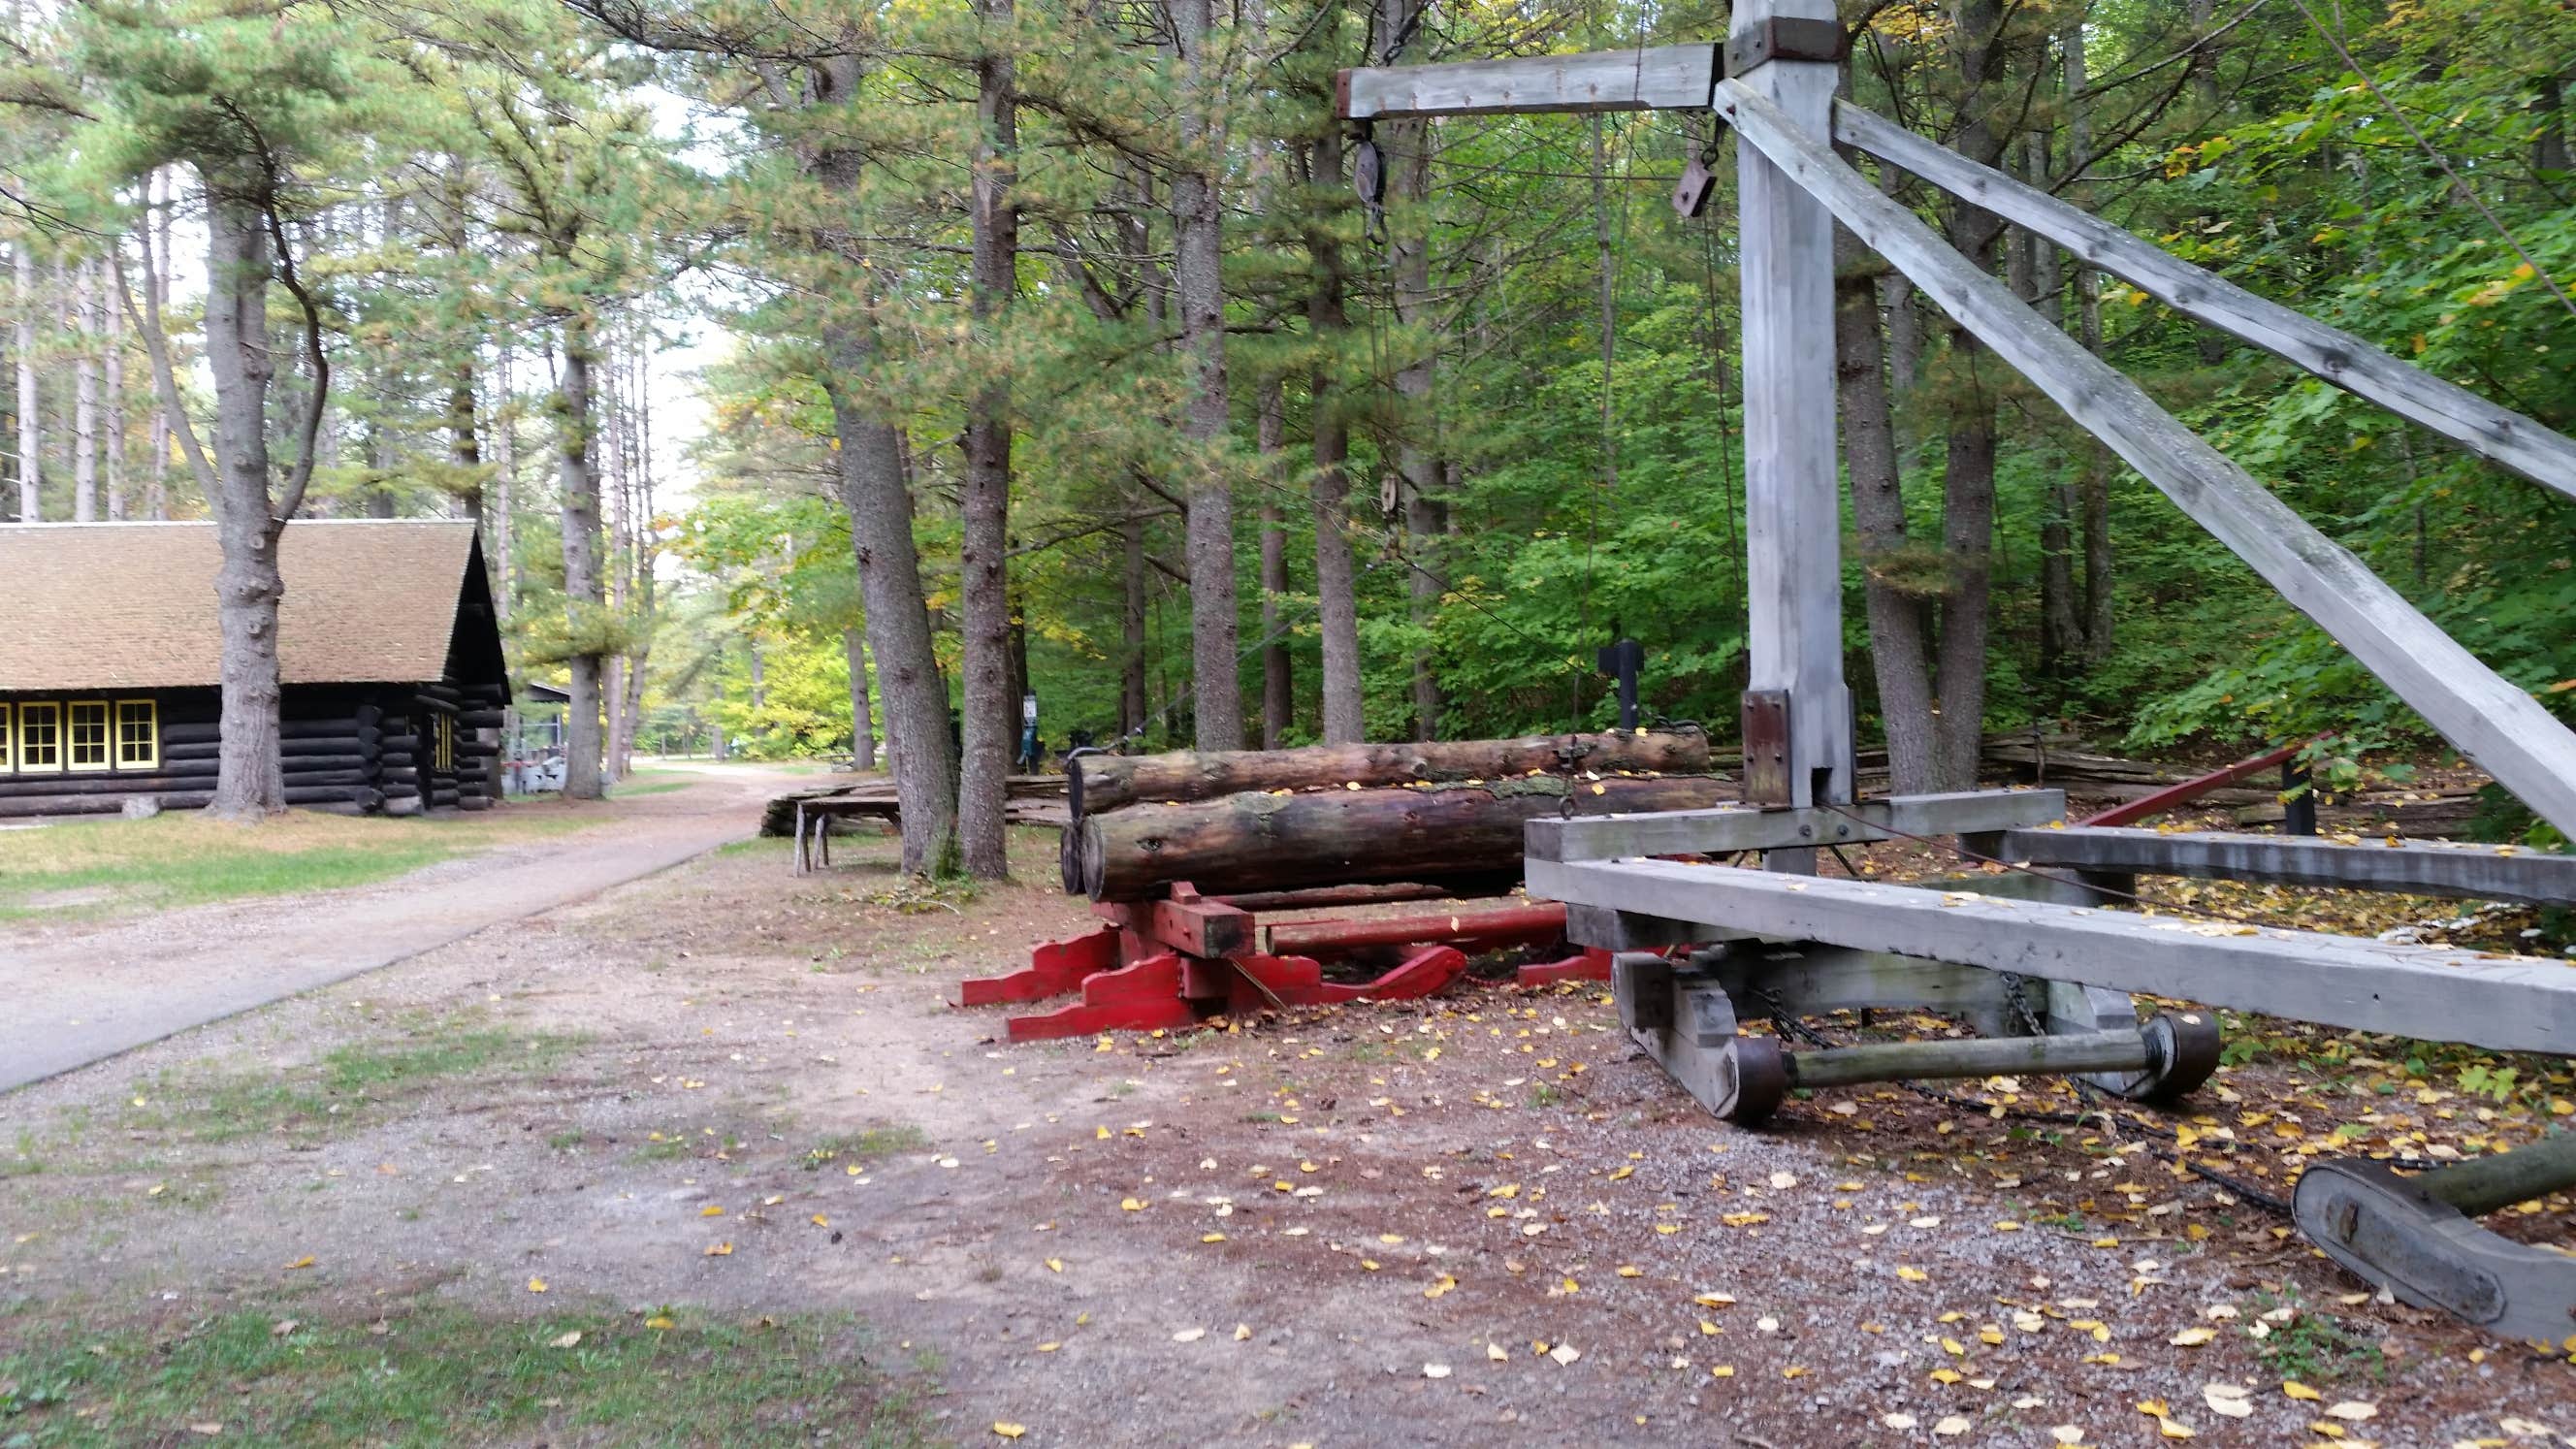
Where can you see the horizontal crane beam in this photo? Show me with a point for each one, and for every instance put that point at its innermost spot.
(2461, 872)
(1658, 78)
(2433, 993)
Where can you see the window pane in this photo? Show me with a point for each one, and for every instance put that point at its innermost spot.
(86, 729)
(138, 734)
(40, 744)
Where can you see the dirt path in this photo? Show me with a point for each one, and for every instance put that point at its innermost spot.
(721, 1100)
(87, 993)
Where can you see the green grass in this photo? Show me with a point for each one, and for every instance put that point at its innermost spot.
(94, 867)
(336, 1092)
(447, 1375)
(866, 1146)
(626, 788)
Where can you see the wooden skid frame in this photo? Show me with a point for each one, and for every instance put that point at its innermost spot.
(1172, 991)
(1724, 832)
(2436, 993)
(2465, 872)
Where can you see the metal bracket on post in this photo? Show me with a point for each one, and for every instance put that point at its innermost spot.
(1766, 747)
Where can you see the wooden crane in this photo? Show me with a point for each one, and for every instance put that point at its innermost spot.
(2033, 961)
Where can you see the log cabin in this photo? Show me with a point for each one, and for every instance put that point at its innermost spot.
(110, 667)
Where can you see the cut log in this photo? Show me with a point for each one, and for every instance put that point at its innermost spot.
(1264, 842)
(1099, 783)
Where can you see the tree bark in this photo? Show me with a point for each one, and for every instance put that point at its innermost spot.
(2093, 486)
(1278, 683)
(505, 489)
(1198, 285)
(1336, 594)
(1132, 713)
(584, 751)
(898, 616)
(990, 713)
(1097, 783)
(1968, 486)
(1407, 147)
(1454, 833)
(250, 776)
(112, 368)
(1898, 647)
(31, 433)
(863, 730)
(85, 331)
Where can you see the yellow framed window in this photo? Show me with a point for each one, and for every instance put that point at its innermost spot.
(442, 755)
(8, 740)
(40, 738)
(85, 735)
(138, 734)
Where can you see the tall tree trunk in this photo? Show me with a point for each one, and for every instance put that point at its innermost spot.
(898, 616)
(250, 780)
(2061, 630)
(2093, 487)
(1198, 285)
(641, 598)
(2549, 125)
(1336, 593)
(1131, 662)
(863, 728)
(608, 409)
(878, 495)
(990, 711)
(1278, 684)
(1968, 487)
(585, 600)
(1898, 647)
(112, 318)
(31, 431)
(157, 278)
(505, 489)
(85, 331)
(1407, 147)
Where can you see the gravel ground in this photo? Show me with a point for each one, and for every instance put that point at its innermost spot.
(722, 1093)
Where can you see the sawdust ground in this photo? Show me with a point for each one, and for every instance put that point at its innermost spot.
(1268, 1236)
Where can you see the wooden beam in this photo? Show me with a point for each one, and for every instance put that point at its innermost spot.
(2462, 872)
(1792, 489)
(2490, 720)
(2512, 1003)
(2497, 434)
(1659, 78)
(1729, 829)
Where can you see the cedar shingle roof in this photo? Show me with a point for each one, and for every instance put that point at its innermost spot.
(132, 605)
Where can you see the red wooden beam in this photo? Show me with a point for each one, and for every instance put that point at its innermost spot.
(2175, 796)
(1484, 930)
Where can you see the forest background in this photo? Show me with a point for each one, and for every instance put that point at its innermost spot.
(1062, 357)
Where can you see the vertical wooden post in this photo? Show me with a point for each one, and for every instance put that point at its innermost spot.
(1793, 508)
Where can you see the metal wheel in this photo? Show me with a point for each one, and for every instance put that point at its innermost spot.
(2187, 1045)
(1754, 1076)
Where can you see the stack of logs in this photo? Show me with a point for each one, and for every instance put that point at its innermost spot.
(1445, 817)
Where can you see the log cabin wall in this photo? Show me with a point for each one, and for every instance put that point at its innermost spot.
(358, 748)
(389, 641)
